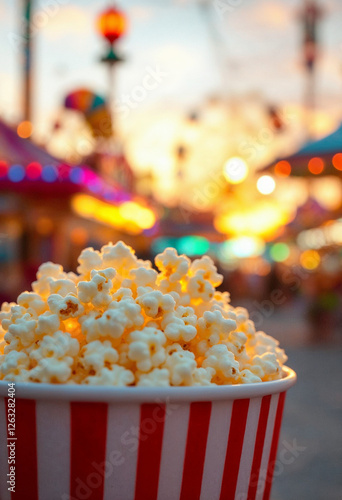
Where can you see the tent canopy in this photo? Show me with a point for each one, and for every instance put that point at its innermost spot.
(15, 150)
(325, 149)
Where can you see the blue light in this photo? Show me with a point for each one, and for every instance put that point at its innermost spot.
(76, 175)
(49, 173)
(16, 173)
(95, 187)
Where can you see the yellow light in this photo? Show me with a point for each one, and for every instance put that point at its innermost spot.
(133, 212)
(235, 170)
(266, 184)
(130, 216)
(310, 259)
(263, 219)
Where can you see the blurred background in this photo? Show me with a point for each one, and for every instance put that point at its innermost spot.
(213, 126)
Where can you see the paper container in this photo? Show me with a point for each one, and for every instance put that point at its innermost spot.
(103, 443)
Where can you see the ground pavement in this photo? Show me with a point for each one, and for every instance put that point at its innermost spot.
(312, 428)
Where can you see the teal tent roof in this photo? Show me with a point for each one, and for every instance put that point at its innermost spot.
(324, 148)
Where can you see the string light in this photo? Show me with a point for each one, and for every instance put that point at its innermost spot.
(316, 166)
(282, 168)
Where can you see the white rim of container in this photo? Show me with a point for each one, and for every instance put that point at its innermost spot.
(86, 393)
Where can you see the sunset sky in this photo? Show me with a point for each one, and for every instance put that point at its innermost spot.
(259, 52)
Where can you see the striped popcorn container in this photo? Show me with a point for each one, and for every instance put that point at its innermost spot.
(103, 443)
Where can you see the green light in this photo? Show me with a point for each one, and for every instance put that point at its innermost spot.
(193, 245)
(280, 252)
(159, 244)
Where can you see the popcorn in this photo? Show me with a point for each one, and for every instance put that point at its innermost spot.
(47, 324)
(57, 346)
(203, 376)
(63, 287)
(180, 325)
(199, 288)
(119, 322)
(117, 376)
(146, 348)
(96, 355)
(156, 304)
(97, 290)
(32, 301)
(158, 377)
(212, 326)
(13, 363)
(173, 269)
(120, 256)
(223, 362)
(172, 266)
(65, 307)
(210, 272)
(21, 333)
(47, 273)
(140, 277)
(54, 357)
(89, 260)
(181, 365)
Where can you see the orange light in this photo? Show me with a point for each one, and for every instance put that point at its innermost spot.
(25, 129)
(310, 259)
(316, 166)
(79, 236)
(337, 161)
(112, 24)
(282, 168)
(44, 226)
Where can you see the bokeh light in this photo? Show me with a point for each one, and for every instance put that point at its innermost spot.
(280, 252)
(282, 168)
(25, 129)
(310, 260)
(76, 175)
(44, 226)
(337, 161)
(316, 166)
(193, 245)
(235, 170)
(79, 236)
(242, 247)
(266, 184)
(262, 219)
(33, 171)
(49, 173)
(16, 173)
(3, 169)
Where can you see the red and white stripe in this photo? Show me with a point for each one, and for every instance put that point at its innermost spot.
(219, 450)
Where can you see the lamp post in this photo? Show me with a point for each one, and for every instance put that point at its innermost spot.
(27, 66)
(310, 18)
(112, 26)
